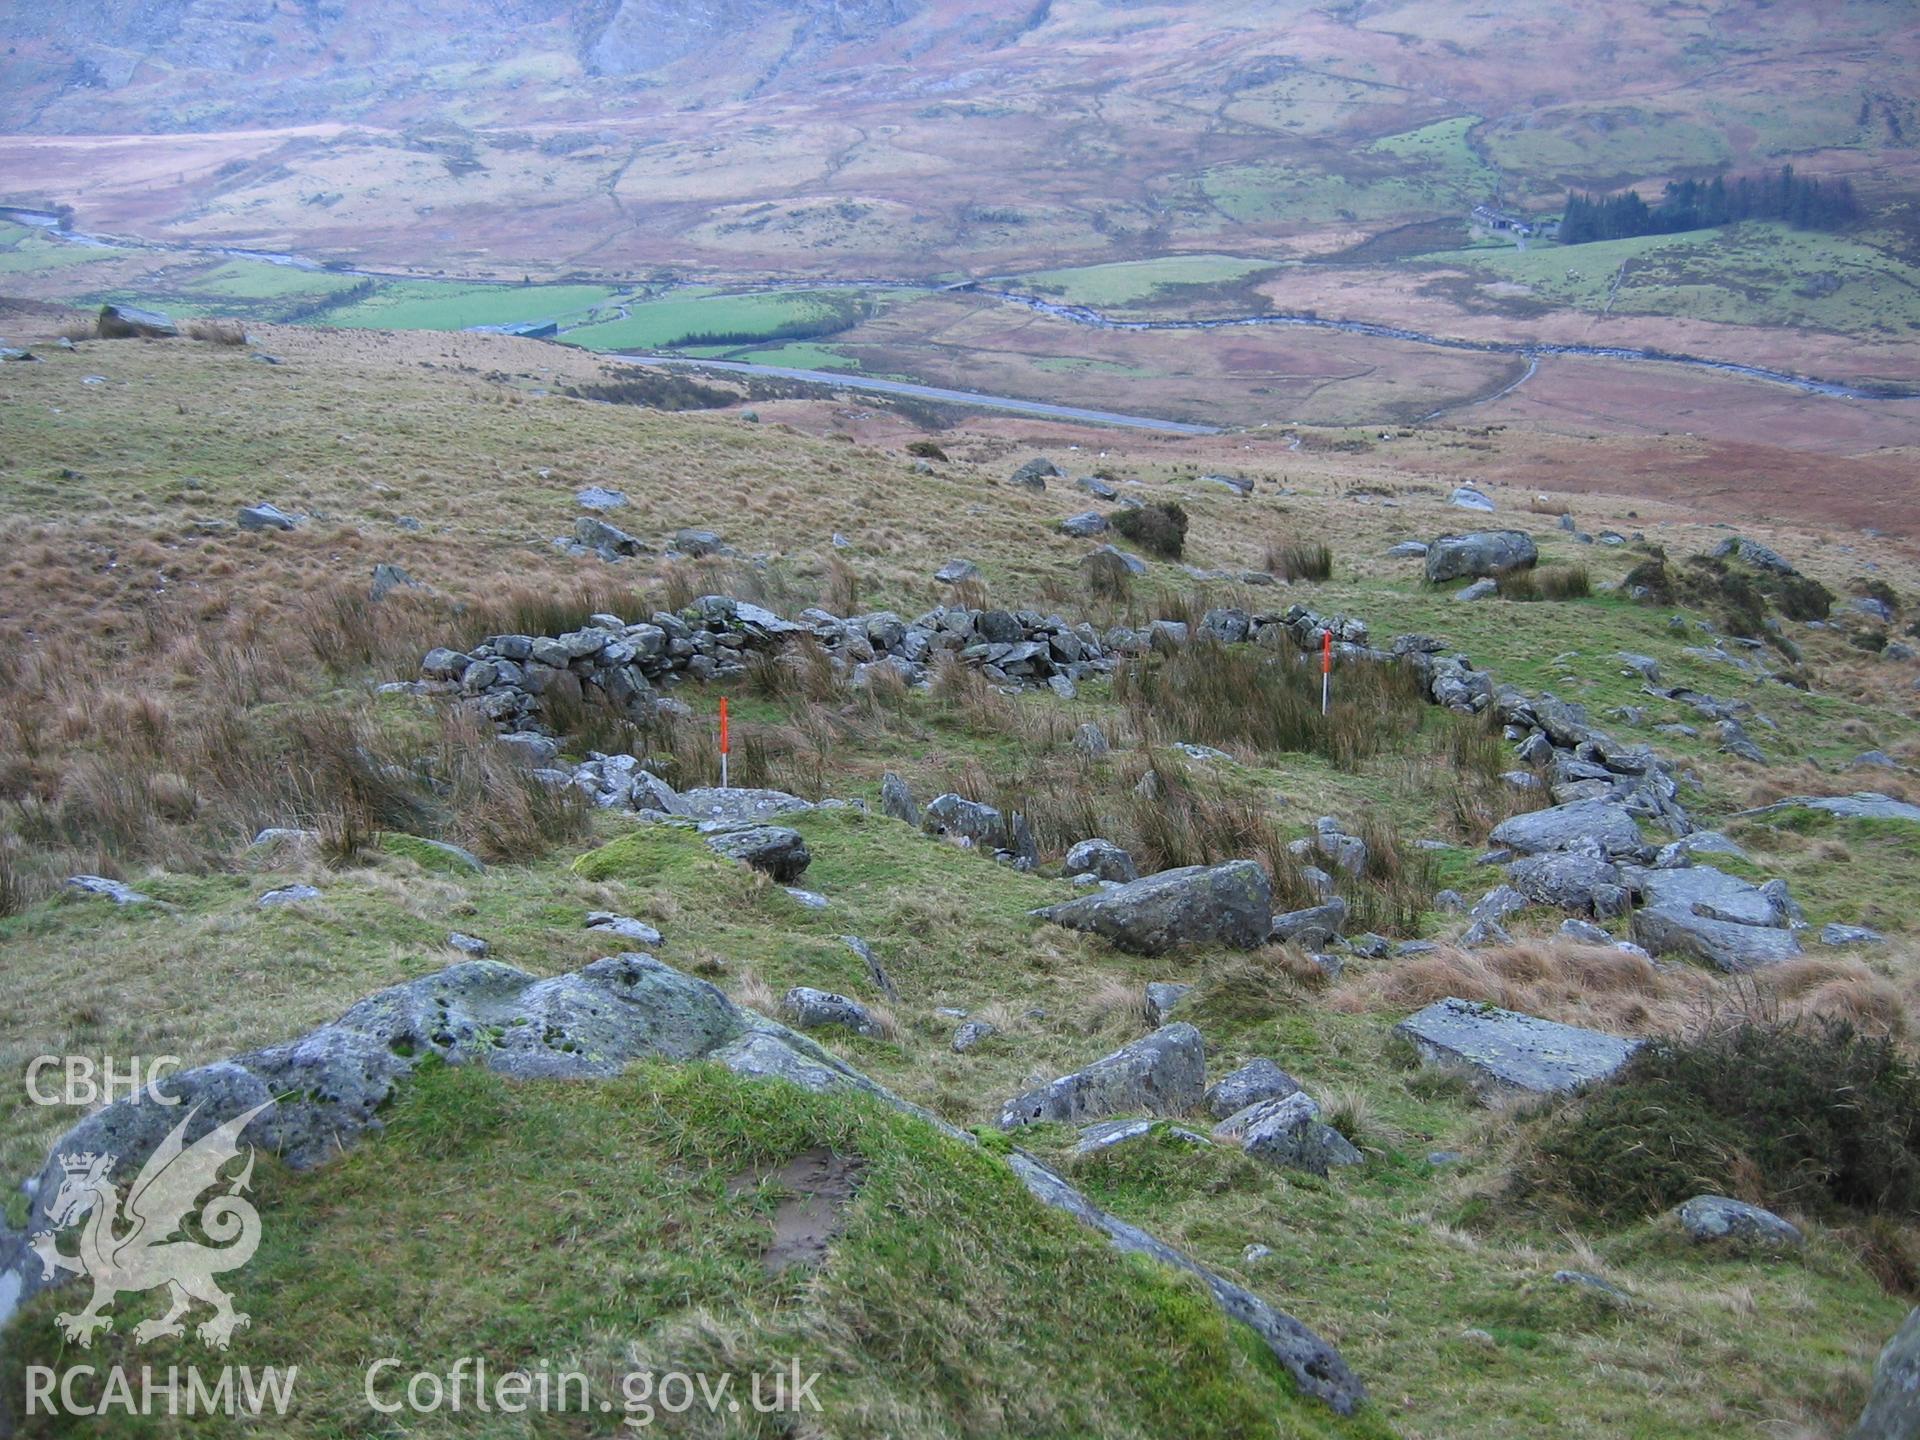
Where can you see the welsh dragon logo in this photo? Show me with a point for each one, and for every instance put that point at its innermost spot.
(144, 1245)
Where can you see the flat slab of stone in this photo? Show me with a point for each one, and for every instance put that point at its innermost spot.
(1672, 930)
(738, 807)
(1706, 891)
(1522, 1052)
(1862, 805)
(1562, 827)
(1109, 1133)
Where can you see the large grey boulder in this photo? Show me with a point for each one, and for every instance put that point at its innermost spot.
(1102, 859)
(1578, 825)
(1253, 1082)
(775, 849)
(1289, 1133)
(1506, 1048)
(1086, 524)
(1467, 498)
(1228, 904)
(1893, 1404)
(1581, 881)
(1480, 553)
(960, 818)
(1164, 1074)
(1717, 1218)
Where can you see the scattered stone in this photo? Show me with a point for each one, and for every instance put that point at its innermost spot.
(1085, 525)
(1288, 1133)
(597, 497)
(1164, 1074)
(1408, 550)
(698, 544)
(1713, 1218)
(1861, 805)
(1478, 590)
(896, 800)
(1753, 553)
(1253, 1083)
(1033, 475)
(1837, 934)
(971, 1035)
(1590, 1282)
(1090, 740)
(388, 578)
(1439, 1158)
(1519, 1051)
(609, 542)
(1316, 925)
(114, 890)
(811, 1009)
(775, 849)
(1254, 1254)
(1102, 859)
(955, 571)
(469, 944)
(1226, 904)
(288, 895)
(1468, 498)
(266, 517)
(1584, 932)
(1162, 997)
(1484, 933)
(876, 973)
(808, 899)
(624, 926)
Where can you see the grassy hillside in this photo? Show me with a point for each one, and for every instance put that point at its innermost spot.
(176, 684)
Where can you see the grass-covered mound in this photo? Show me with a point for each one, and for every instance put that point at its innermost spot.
(618, 1238)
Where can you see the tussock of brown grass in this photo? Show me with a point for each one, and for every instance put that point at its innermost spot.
(1610, 989)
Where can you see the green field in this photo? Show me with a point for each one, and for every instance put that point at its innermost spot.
(1141, 282)
(1753, 274)
(660, 324)
(440, 305)
(25, 249)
